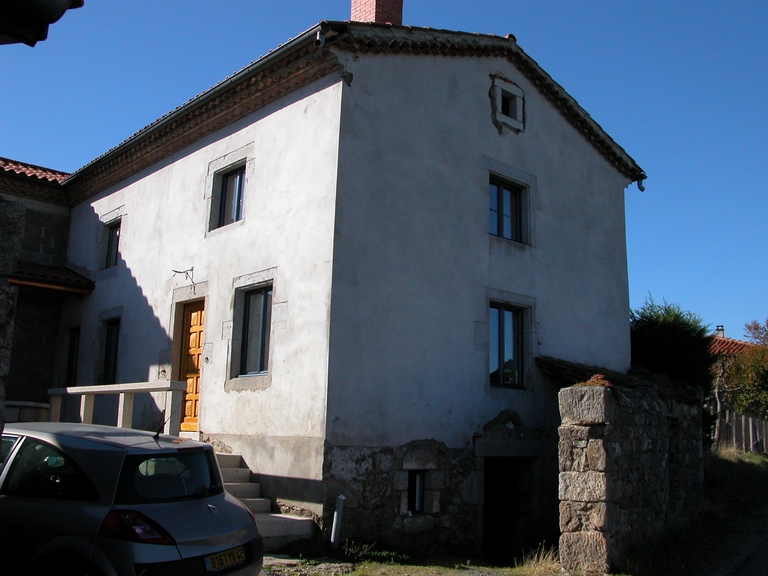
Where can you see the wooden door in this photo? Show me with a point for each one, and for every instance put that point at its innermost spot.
(191, 352)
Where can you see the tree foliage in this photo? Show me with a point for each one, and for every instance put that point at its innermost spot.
(757, 333)
(746, 382)
(669, 340)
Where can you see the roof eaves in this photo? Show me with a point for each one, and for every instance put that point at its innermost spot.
(200, 99)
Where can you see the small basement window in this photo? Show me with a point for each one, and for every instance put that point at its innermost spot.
(416, 491)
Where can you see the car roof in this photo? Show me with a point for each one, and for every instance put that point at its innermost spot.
(66, 433)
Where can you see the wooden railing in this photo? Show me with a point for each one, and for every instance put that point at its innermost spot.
(174, 391)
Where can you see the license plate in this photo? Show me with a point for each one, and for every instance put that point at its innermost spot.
(216, 562)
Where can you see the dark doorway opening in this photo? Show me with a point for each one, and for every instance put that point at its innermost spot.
(511, 523)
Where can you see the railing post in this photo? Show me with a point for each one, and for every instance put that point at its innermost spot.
(55, 409)
(173, 400)
(86, 408)
(125, 410)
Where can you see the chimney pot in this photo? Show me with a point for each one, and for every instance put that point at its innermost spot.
(379, 11)
(720, 331)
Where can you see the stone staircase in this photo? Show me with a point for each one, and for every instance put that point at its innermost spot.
(276, 529)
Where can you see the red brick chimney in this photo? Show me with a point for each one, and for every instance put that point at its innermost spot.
(379, 11)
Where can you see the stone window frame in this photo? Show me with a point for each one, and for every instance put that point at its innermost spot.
(508, 108)
(416, 482)
(108, 222)
(233, 330)
(218, 170)
(494, 171)
(527, 306)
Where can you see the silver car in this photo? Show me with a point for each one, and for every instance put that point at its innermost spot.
(83, 499)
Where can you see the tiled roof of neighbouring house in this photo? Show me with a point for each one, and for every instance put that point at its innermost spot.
(722, 346)
(24, 169)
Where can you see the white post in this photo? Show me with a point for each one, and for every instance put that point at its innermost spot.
(125, 410)
(338, 515)
(173, 400)
(86, 408)
(55, 410)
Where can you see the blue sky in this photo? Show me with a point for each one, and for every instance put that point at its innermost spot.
(681, 85)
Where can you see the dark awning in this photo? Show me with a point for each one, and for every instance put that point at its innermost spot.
(59, 278)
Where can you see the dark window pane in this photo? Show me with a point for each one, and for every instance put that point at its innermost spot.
(231, 206)
(112, 337)
(507, 213)
(256, 328)
(42, 471)
(5, 448)
(113, 244)
(493, 364)
(505, 346)
(493, 204)
(72, 354)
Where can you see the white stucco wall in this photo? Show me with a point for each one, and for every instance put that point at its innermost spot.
(286, 230)
(415, 266)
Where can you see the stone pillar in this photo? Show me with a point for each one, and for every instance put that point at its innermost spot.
(587, 513)
(11, 233)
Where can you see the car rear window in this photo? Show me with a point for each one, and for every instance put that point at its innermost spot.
(153, 478)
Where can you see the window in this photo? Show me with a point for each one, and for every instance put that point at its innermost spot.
(257, 319)
(112, 233)
(111, 339)
(40, 470)
(508, 105)
(416, 491)
(506, 346)
(72, 354)
(506, 210)
(227, 205)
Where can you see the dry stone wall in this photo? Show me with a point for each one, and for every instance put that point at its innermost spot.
(631, 464)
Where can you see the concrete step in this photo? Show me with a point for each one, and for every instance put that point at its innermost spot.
(230, 461)
(236, 474)
(243, 489)
(279, 529)
(257, 505)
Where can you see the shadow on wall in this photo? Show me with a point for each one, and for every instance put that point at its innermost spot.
(113, 336)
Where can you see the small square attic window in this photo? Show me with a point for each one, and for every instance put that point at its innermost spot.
(509, 104)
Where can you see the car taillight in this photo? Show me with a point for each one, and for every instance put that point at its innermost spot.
(135, 527)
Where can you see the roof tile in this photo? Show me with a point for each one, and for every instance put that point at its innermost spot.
(24, 169)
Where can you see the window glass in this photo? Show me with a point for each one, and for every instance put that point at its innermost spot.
(506, 346)
(43, 471)
(113, 244)
(148, 478)
(416, 491)
(505, 217)
(256, 328)
(5, 448)
(72, 355)
(231, 208)
(112, 337)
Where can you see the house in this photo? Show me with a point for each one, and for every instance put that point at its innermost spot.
(353, 250)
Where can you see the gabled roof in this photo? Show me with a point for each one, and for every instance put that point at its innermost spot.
(722, 346)
(303, 60)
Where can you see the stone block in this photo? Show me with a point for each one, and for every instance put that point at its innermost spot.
(586, 405)
(420, 460)
(11, 235)
(584, 552)
(400, 480)
(595, 456)
(583, 486)
(432, 501)
(384, 462)
(435, 480)
(418, 524)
